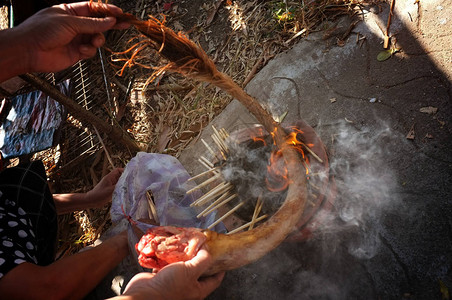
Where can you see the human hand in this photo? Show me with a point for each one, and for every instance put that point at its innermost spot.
(102, 192)
(57, 37)
(180, 280)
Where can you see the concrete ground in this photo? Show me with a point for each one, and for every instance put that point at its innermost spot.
(387, 129)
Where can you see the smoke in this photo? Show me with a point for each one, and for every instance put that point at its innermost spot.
(360, 164)
(332, 264)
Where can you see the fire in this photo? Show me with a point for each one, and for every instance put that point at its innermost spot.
(277, 179)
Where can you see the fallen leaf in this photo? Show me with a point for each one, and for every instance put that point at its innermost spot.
(332, 100)
(386, 54)
(213, 11)
(185, 135)
(164, 139)
(340, 43)
(410, 134)
(429, 110)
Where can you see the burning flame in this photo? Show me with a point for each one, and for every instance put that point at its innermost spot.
(277, 179)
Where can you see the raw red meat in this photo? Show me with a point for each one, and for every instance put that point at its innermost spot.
(164, 245)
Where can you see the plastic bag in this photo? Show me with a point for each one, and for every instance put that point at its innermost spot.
(167, 179)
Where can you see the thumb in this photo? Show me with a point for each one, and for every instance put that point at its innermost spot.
(200, 263)
(88, 25)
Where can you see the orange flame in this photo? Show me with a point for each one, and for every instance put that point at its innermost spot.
(277, 174)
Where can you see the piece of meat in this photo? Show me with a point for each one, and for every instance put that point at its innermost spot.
(164, 245)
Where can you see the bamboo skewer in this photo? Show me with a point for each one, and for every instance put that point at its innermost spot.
(257, 210)
(219, 145)
(220, 204)
(205, 165)
(312, 153)
(220, 139)
(203, 184)
(208, 208)
(247, 224)
(226, 215)
(208, 162)
(214, 170)
(209, 148)
(221, 188)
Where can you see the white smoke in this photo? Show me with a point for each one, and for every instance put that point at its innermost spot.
(361, 165)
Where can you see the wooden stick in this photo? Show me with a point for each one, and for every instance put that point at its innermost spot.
(222, 187)
(219, 145)
(224, 133)
(221, 198)
(116, 134)
(208, 148)
(204, 164)
(247, 224)
(207, 162)
(226, 215)
(220, 204)
(386, 37)
(203, 173)
(220, 139)
(105, 148)
(203, 184)
(312, 152)
(219, 189)
(257, 211)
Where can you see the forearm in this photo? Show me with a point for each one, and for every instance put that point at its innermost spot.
(13, 52)
(67, 203)
(69, 278)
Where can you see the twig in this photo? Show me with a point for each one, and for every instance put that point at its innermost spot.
(105, 148)
(386, 39)
(253, 71)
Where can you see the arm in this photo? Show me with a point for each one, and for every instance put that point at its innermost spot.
(71, 277)
(182, 280)
(97, 197)
(54, 39)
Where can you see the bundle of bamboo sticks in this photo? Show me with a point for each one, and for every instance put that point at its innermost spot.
(223, 191)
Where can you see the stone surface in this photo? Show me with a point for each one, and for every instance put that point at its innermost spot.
(390, 234)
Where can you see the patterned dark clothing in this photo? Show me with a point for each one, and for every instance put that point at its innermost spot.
(28, 219)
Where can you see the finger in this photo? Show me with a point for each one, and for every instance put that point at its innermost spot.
(97, 40)
(89, 9)
(209, 284)
(87, 25)
(87, 51)
(200, 263)
(121, 25)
